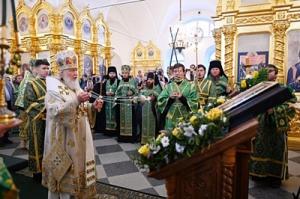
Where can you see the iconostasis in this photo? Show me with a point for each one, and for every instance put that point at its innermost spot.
(45, 30)
(145, 58)
(258, 32)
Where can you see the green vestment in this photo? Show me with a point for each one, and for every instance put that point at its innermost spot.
(8, 189)
(34, 103)
(269, 148)
(23, 128)
(110, 109)
(149, 115)
(206, 91)
(220, 85)
(126, 110)
(174, 109)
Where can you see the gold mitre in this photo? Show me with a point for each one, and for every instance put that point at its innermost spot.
(66, 59)
(125, 68)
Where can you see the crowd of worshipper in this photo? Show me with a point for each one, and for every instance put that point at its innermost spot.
(133, 109)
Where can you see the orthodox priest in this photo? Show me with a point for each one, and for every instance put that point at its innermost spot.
(126, 108)
(69, 161)
(34, 105)
(177, 99)
(205, 88)
(106, 119)
(148, 99)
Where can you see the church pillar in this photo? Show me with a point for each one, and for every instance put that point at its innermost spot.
(107, 49)
(217, 36)
(279, 29)
(56, 41)
(34, 48)
(78, 49)
(229, 32)
(94, 51)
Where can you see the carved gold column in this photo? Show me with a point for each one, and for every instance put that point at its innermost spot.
(279, 29)
(229, 34)
(94, 51)
(33, 48)
(217, 36)
(294, 132)
(77, 48)
(219, 7)
(107, 49)
(56, 40)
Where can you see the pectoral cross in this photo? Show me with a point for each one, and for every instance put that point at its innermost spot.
(63, 90)
(57, 161)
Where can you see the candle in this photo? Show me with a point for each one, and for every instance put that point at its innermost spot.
(13, 9)
(3, 23)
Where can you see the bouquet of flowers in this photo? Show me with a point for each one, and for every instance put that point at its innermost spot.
(193, 133)
(254, 78)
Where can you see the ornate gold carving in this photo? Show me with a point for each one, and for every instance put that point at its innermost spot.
(217, 36)
(145, 57)
(293, 16)
(279, 29)
(229, 33)
(230, 5)
(254, 20)
(219, 7)
(55, 40)
(294, 132)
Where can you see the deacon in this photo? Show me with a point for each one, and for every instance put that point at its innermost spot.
(69, 160)
(205, 88)
(23, 128)
(34, 106)
(148, 99)
(126, 108)
(177, 99)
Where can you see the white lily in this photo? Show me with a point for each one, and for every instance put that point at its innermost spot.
(189, 131)
(179, 148)
(165, 141)
(202, 129)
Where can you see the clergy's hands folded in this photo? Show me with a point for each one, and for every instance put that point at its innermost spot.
(175, 95)
(83, 97)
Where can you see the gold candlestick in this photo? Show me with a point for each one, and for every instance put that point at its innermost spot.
(6, 116)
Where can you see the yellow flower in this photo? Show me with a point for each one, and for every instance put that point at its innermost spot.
(194, 120)
(255, 74)
(177, 132)
(144, 150)
(221, 100)
(243, 84)
(214, 114)
(162, 134)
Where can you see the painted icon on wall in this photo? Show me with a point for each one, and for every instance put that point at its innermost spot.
(255, 61)
(293, 66)
(86, 29)
(87, 65)
(69, 24)
(43, 21)
(23, 24)
(101, 35)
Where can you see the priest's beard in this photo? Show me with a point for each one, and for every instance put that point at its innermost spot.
(72, 84)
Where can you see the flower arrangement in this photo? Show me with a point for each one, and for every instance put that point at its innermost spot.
(254, 78)
(193, 133)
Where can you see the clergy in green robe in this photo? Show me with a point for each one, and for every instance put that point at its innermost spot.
(34, 104)
(205, 88)
(177, 99)
(269, 158)
(126, 109)
(218, 77)
(148, 96)
(28, 76)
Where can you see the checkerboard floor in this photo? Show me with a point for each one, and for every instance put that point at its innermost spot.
(115, 166)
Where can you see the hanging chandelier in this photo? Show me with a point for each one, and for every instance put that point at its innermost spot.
(180, 41)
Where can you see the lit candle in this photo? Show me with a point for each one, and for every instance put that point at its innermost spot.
(3, 23)
(13, 9)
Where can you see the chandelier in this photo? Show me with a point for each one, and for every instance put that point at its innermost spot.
(178, 34)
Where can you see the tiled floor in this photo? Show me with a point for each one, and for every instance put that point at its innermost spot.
(114, 166)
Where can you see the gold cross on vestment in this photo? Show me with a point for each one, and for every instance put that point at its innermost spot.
(63, 90)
